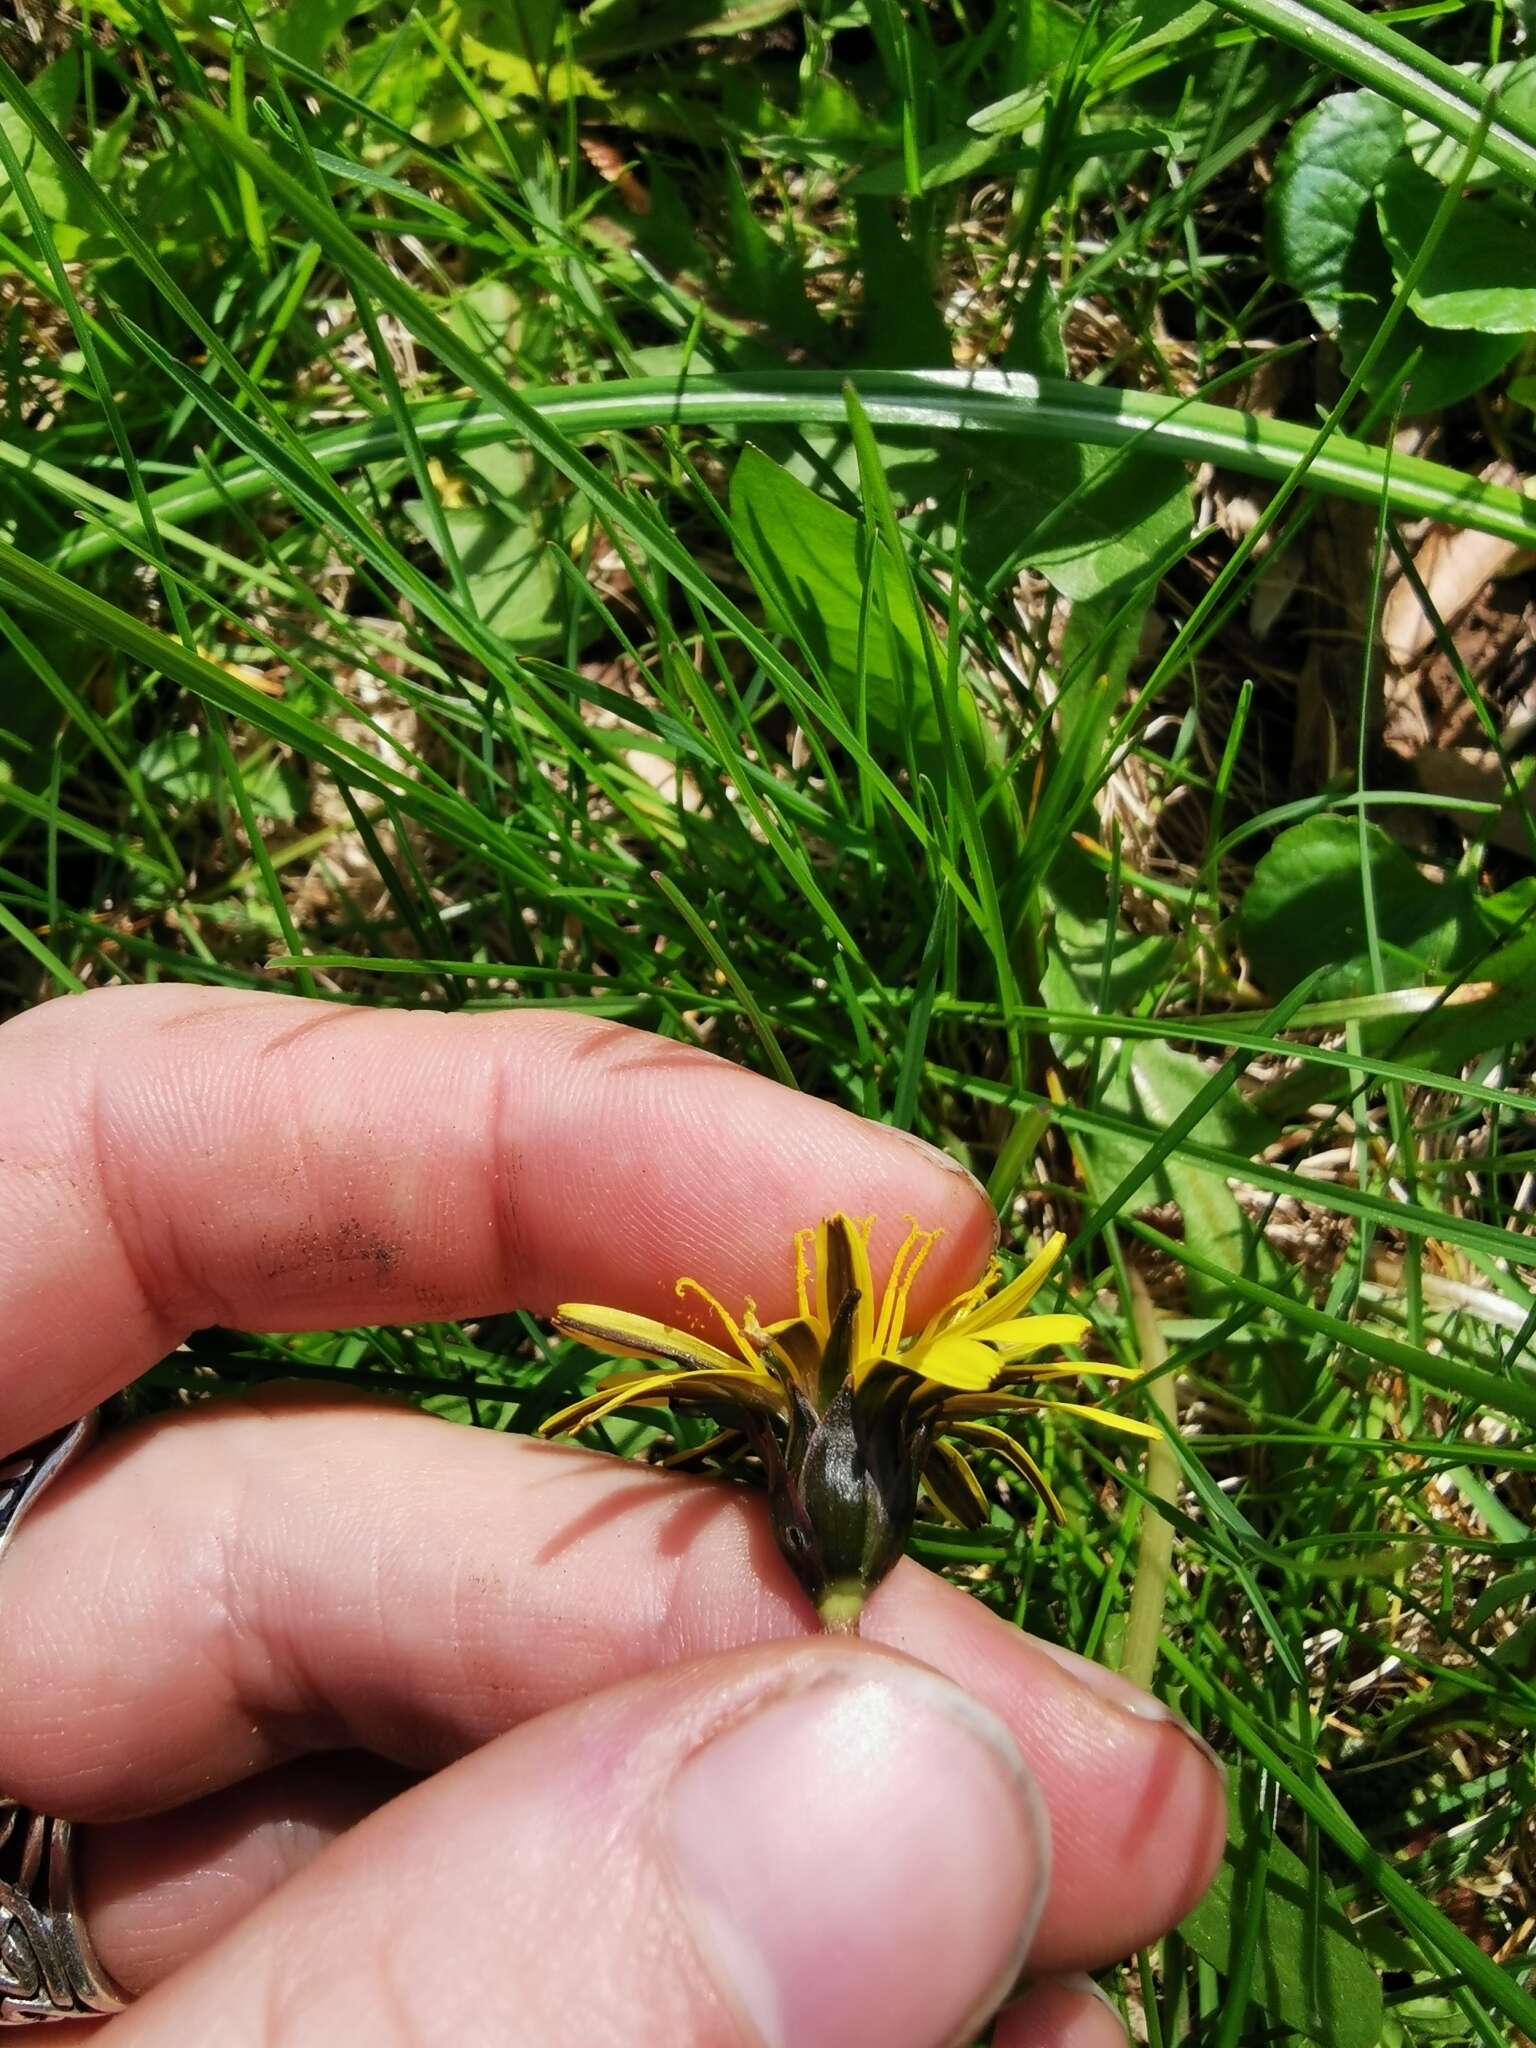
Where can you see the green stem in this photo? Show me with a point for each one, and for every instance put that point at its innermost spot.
(1154, 1555)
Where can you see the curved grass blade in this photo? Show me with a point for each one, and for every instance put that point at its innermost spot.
(1365, 49)
(1011, 405)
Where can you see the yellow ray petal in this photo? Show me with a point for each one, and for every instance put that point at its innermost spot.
(1014, 1454)
(1066, 1369)
(651, 1390)
(1024, 1334)
(949, 1481)
(627, 1336)
(1103, 1418)
(723, 1444)
(1002, 1400)
(798, 1345)
(957, 1361)
(996, 1400)
(1019, 1292)
(572, 1420)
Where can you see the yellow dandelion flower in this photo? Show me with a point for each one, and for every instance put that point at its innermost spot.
(849, 1413)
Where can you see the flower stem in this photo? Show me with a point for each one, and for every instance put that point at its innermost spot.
(1154, 1556)
(840, 1607)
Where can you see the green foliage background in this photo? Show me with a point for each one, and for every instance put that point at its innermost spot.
(686, 510)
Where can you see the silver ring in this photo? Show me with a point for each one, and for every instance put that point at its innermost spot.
(48, 1968)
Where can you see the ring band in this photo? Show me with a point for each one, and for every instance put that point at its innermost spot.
(48, 1969)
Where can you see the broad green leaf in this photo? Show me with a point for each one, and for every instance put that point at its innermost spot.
(176, 763)
(1321, 224)
(767, 278)
(1435, 367)
(1090, 520)
(1092, 962)
(941, 163)
(1091, 523)
(1162, 22)
(1499, 1011)
(1309, 1972)
(55, 91)
(506, 43)
(1305, 909)
(1036, 343)
(1482, 274)
(806, 560)
(1150, 1083)
(1325, 242)
(900, 323)
(514, 585)
(1511, 907)
(1144, 1081)
(308, 29)
(625, 28)
(490, 315)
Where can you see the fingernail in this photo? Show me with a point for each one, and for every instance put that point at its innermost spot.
(865, 1860)
(935, 1155)
(1126, 1698)
(1081, 1985)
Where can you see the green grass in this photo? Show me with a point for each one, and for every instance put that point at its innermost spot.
(389, 610)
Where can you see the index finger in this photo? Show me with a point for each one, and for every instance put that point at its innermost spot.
(172, 1158)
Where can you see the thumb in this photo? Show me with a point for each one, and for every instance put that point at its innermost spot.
(789, 1847)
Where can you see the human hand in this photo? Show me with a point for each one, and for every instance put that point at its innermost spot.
(402, 1732)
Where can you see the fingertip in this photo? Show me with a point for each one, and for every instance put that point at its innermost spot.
(662, 1160)
(176, 1157)
(1131, 1785)
(856, 1919)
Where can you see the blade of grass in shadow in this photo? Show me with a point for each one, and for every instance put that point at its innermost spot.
(1364, 48)
(65, 977)
(41, 589)
(943, 687)
(1514, 1394)
(1460, 1955)
(723, 962)
(1386, 1212)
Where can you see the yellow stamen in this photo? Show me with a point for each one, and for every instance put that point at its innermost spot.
(1066, 1369)
(805, 1252)
(727, 1321)
(1102, 1418)
(955, 1312)
(906, 1266)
